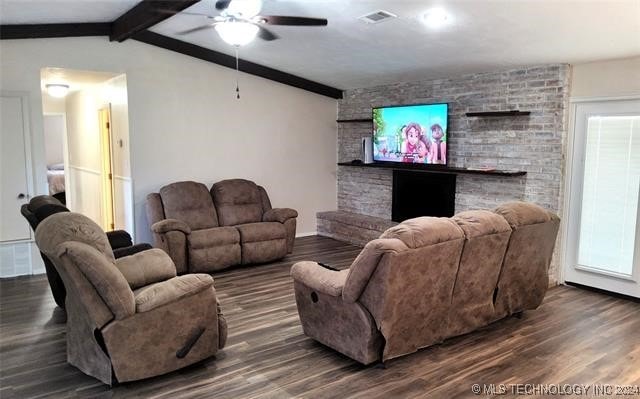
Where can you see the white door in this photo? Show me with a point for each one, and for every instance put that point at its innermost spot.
(14, 168)
(603, 236)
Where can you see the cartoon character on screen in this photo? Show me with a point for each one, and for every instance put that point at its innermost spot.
(438, 151)
(414, 148)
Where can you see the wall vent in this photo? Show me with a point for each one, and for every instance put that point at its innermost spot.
(377, 17)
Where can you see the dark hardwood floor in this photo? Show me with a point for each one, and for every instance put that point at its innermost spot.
(575, 337)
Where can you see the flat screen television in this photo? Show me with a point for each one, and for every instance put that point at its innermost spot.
(411, 134)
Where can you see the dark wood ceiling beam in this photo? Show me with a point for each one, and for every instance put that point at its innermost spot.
(228, 61)
(145, 15)
(36, 31)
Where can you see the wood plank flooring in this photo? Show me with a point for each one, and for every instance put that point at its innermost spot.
(576, 336)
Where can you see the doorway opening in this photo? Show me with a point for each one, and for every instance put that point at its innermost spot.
(104, 123)
(88, 169)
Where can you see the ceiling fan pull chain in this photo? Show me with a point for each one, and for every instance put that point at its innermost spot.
(237, 74)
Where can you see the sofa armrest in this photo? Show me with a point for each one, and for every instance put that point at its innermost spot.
(319, 278)
(279, 215)
(167, 225)
(119, 239)
(159, 294)
(132, 250)
(147, 267)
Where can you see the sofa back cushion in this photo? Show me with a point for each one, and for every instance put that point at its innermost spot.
(524, 277)
(107, 280)
(73, 227)
(40, 207)
(409, 292)
(486, 238)
(189, 202)
(237, 201)
(154, 208)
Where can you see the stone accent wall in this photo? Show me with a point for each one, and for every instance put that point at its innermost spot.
(532, 143)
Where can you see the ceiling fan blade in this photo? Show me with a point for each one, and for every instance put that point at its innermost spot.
(292, 21)
(222, 4)
(266, 34)
(196, 29)
(172, 12)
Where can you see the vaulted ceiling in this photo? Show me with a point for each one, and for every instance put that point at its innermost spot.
(480, 35)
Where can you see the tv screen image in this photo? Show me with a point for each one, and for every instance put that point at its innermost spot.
(411, 134)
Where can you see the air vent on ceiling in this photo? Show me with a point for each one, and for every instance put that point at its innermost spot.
(377, 17)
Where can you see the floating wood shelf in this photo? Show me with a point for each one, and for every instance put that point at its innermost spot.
(436, 169)
(493, 114)
(355, 120)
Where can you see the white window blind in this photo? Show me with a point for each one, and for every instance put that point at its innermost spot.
(610, 193)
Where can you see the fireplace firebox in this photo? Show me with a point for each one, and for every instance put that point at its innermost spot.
(422, 194)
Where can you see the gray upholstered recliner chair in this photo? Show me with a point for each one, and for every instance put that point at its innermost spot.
(128, 318)
(234, 223)
(428, 279)
(42, 206)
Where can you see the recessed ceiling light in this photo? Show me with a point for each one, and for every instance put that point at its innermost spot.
(436, 18)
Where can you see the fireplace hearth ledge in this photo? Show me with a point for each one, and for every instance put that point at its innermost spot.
(354, 228)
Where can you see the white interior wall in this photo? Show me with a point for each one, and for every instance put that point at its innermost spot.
(52, 105)
(609, 78)
(186, 124)
(84, 191)
(115, 93)
(53, 127)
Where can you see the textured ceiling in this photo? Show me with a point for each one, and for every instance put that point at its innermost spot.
(482, 35)
(62, 11)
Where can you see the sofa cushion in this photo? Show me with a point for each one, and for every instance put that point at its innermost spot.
(480, 223)
(147, 267)
(237, 201)
(263, 231)
(424, 231)
(156, 295)
(263, 251)
(518, 213)
(213, 237)
(213, 249)
(487, 236)
(189, 202)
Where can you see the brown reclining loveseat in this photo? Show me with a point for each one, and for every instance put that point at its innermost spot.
(428, 279)
(231, 224)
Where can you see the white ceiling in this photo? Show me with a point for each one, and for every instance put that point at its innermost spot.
(483, 35)
(62, 11)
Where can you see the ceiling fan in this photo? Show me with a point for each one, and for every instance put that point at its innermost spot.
(238, 22)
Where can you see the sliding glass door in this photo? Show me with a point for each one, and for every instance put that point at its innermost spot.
(603, 235)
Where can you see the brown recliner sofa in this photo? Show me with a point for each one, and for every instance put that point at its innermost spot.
(428, 279)
(128, 318)
(231, 224)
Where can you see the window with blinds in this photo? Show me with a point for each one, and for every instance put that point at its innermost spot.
(610, 194)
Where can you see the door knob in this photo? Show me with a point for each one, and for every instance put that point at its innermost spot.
(22, 196)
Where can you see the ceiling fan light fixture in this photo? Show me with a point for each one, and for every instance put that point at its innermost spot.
(57, 90)
(436, 18)
(244, 8)
(237, 33)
